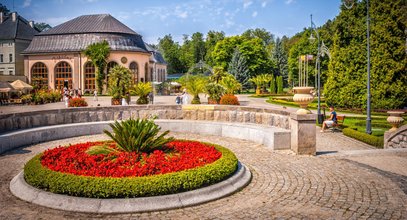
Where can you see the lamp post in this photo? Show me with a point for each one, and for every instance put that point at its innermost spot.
(368, 108)
(312, 39)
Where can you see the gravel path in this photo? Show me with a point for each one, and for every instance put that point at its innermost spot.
(284, 185)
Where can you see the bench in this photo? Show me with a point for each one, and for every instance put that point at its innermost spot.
(339, 123)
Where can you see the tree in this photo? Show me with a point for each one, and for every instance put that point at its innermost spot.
(119, 81)
(238, 68)
(218, 74)
(261, 81)
(266, 37)
(194, 84)
(280, 84)
(273, 85)
(98, 54)
(42, 26)
(346, 83)
(172, 55)
(279, 58)
(212, 37)
(230, 83)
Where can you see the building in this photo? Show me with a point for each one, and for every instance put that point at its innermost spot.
(55, 57)
(16, 34)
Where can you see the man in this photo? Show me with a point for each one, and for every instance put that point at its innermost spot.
(330, 122)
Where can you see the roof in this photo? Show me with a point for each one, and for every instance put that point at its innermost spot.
(79, 42)
(77, 34)
(19, 29)
(156, 57)
(99, 23)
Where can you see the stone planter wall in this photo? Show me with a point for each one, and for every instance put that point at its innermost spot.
(397, 138)
(17, 121)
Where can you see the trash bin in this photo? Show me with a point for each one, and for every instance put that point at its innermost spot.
(320, 118)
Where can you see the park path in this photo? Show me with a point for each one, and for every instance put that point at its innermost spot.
(329, 186)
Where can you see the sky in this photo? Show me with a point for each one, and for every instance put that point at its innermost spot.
(155, 18)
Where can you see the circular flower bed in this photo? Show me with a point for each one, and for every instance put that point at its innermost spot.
(179, 166)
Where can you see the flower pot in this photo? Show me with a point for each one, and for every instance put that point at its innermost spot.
(303, 96)
(116, 101)
(395, 119)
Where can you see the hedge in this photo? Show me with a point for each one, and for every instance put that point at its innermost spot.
(366, 138)
(107, 187)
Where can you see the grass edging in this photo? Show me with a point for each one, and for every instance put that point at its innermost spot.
(129, 187)
(366, 138)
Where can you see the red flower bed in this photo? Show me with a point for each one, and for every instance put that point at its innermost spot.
(178, 155)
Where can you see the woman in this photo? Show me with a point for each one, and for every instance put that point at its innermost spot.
(184, 97)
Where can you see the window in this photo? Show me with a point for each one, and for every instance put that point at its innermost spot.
(10, 56)
(10, 72)
(134, 69)
(63, 75)
(1, 58)
(39, 75)
(90, 79)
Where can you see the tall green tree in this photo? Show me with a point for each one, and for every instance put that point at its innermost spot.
(279, 58)
(42, 26)
(273, 85)
(172, 55)
(212, 37)
(238, 68)
(346, 84)
(266, 37)
(98, 54)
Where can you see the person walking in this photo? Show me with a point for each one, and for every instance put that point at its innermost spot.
(151, 97)
(184, 97)
(95, 95)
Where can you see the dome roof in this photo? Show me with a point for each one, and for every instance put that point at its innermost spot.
(77, 34)
(99, 23)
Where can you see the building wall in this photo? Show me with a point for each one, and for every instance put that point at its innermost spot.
(20, 45)
(7, 48)
(77, 62)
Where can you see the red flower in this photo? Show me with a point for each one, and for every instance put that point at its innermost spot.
(177, 156)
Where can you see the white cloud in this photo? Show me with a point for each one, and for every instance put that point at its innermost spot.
(289, 1)
(246, 4)
(254, 14)
(26, 3)
(54, 21)
(263, 4)
(229, 23)
(183, 14)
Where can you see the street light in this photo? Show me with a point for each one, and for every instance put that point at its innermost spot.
(368, 117)
(312, 39)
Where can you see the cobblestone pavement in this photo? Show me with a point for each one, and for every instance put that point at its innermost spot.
(283, 186)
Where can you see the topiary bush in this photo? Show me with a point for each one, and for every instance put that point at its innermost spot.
(107, 187)
(366, 138)
(229, 100)
(137, 135)
(77, 102)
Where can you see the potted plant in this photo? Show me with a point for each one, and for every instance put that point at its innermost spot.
(194, 84)
(142, 89)
(119, 83)
(215, 92)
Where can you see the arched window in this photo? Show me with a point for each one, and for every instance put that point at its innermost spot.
(90, 77)
(39, 75)
(110, 65)
(146, 75)
(134, 70)
(63, 75)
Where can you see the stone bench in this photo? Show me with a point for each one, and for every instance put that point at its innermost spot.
(272, 137)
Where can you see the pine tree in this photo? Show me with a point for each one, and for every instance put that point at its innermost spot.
(238, 68)
(272, 85)
(279, 57)
(280, 84)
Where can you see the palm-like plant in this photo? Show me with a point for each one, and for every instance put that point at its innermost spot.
(138, 135)
(260, 81)
(218, 74)
(119, 81)
(142, 89)
(98, 54)
(194, 84)
(215, 92)
(231, 84)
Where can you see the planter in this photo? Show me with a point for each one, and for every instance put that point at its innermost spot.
(116, 101)
(303, 96)
(395, 119)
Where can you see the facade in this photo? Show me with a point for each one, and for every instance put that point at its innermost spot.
(55, 57)
(16, 34)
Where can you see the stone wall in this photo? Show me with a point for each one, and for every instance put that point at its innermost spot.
(396, 139)
(241, 114)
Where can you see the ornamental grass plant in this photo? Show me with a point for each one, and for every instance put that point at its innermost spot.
(138, 135)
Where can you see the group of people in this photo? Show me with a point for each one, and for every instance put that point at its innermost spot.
(69, 94)
(182, 99)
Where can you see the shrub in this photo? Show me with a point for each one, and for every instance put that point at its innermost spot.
(366, 138)
(56, 96)
(229, 100)
(215, 92)
(26, 99)
(142, 89)
(138, 135)
(77, 102)
(106, 187)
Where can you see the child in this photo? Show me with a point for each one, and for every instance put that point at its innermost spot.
(178, 99)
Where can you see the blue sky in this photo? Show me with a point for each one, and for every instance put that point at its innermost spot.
(155, 18)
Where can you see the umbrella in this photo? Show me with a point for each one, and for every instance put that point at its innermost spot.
(20, 85)
(175, 84)
(6, 87)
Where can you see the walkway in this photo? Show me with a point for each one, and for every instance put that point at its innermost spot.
(284, 185)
